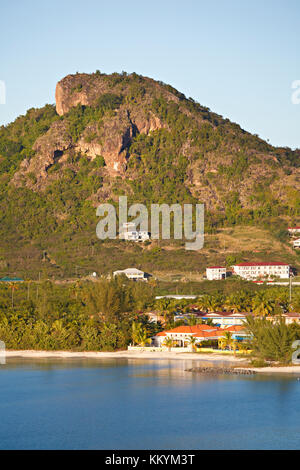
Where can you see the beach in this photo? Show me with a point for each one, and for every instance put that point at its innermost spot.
(149, 355)
(121, 354)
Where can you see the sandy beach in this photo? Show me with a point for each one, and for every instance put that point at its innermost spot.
(148, 355)
(32, 354)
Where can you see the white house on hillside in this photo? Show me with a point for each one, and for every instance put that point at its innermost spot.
(216, 273)
(130, 233)
(132, 273)
(262, 270)
(296, 243)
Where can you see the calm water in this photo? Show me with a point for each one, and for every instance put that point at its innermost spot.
(121, 404)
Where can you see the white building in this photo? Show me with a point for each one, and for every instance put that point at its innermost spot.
(225, 319)
(130, 233)
(215, 273)
(296, 243)
(132, 273)
(293, 230)
(262, 270)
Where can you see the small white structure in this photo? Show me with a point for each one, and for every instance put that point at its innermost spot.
(130, 233)
(215, 273)
(176, 296)
(293, 230)
(251, 271)
(296, 243)
(132, 273)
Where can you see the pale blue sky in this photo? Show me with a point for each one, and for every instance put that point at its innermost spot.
(238, 57)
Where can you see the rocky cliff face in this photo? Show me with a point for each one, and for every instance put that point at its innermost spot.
(186, 147)
(109, 138)
(77, 89)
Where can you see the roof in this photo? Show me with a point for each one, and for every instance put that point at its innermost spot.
(235, 328)
(293, 228)
(226, 314)
(11, 279)
(209, 334)
(192, 329)
(129, 271)
(216, 267)
(161, 333)
(262, 264)
(292, 315)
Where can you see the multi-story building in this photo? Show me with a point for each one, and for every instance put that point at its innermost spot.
(294, 230)
(216, 273)
(262, 270)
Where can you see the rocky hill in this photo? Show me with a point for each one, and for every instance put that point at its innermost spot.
(127, 134)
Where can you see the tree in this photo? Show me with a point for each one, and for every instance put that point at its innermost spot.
(168, 342)
(272, 340)
(262, 306)
(226, 341)
(192, 342)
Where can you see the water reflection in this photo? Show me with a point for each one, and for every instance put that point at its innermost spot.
(126, 404)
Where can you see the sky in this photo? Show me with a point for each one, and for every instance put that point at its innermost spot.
(238, 57)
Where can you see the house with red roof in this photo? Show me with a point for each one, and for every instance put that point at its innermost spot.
(182, 335)
(265, 270)
(293, 230)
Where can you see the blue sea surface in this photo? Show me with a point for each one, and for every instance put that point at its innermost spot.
(130, 404)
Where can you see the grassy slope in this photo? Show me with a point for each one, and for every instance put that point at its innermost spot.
(84, 253)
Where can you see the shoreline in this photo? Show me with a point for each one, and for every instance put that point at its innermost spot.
(144, 355)
(35, 354)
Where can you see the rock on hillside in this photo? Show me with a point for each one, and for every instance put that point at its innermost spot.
(188, 151)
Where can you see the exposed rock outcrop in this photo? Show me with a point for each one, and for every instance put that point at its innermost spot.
(109, 138)
(111, 141)
(49, 149)
(80, 88)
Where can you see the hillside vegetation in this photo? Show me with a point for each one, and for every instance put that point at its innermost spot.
(118, 134)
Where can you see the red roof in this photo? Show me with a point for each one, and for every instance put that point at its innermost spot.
(191, 329)
(294, 315)
(162, 333)
(293, 228)
(235, 328)
(262, 264)
(215, 267)
(209, 334)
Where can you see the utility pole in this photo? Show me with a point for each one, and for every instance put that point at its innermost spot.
(290, 288)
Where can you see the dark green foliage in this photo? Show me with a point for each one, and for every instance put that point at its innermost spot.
(80, 116)
(81, 316)
(272, 340)
(17, 138)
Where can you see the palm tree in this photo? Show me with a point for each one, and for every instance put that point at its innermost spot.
(226, 340)
(192, 342)
(143, 338)
(136, 332)
(262, 306)
(168, 342)
(13, 287)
